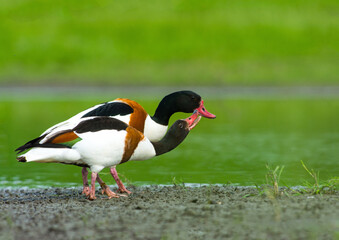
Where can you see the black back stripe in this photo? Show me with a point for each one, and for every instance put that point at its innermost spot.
(44, 145)
(110, 109)
(100, 123)
(51, 145)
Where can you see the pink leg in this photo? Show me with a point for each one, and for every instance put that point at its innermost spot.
(121, 186)
(84, 172)
(102, 184)
(92, 191)
(105, 189)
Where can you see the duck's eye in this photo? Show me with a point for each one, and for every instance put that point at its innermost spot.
(193, 98)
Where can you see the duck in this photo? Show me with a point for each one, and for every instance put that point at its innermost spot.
(132, 113)
(103, 142)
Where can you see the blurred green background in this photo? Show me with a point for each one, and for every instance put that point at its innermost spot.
(186, 42)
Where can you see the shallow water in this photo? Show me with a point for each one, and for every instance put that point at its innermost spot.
(233, 148)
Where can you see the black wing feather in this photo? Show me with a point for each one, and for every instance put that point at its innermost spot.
(36, 143)
(30, 144)
(100, 123)
(110, 109)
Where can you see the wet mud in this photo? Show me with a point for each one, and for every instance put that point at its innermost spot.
(173, 212)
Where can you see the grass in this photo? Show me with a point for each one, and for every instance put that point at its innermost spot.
(316, 187)
(273, 179)
(319, 187)
(178, 182)
(169, 42)
(271, 188)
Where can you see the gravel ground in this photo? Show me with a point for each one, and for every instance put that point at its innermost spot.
(167, 212)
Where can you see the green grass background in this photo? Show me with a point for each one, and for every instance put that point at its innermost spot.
(175, 42)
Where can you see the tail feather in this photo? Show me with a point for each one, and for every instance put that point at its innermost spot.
(51, 155)
(21, 159)
(30, 144)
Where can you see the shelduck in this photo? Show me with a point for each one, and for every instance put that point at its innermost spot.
(100, 142)
(154, 127)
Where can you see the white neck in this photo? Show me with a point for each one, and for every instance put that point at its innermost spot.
(154, 131)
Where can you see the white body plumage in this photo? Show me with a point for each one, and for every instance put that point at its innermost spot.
(99, 149)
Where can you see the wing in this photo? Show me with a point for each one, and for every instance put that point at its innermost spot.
(60, 138)
(94, 124)
(114, 108)
(110, 109)
(125, 110)
(63, 139)
(69, 137)
(100, 123)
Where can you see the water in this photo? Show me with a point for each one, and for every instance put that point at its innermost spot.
(233, 148)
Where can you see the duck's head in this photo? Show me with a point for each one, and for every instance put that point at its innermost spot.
(188, 102)
(176, 134)
(180, 128)
(180, 101)
(187, 124)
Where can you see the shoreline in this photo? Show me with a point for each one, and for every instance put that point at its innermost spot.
(78, 187)
(167, 212)
(55, 93)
